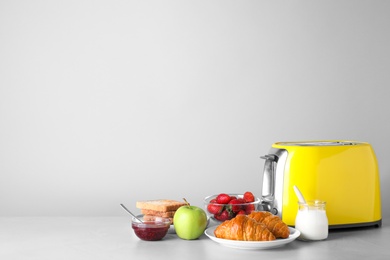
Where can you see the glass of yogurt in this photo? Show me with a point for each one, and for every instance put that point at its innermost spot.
(311, 220)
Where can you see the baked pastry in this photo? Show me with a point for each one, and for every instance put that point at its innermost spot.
(243, 228)
(272, 222)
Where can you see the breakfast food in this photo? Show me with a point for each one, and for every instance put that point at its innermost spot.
(249, 197)
(162, 205)
(224, 206)
(272, 222)
(164, 214)
(153, 209)
(151, 230)
(243, 228)
(190, 222)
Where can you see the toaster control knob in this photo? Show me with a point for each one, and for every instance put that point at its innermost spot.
(274, 211)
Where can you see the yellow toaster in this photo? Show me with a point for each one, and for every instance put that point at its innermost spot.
(344, 174)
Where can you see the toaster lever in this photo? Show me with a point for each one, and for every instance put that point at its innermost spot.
(269, 157)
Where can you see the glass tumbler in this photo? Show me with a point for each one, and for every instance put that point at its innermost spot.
(311, 220)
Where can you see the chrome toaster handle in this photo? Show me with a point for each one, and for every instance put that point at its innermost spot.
(268, 191)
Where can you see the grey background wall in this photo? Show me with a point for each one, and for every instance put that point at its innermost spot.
(109, 102)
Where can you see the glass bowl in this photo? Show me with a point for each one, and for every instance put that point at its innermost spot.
(222, 212)
(151, 230)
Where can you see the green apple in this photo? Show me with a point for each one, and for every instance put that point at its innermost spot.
(189, 222)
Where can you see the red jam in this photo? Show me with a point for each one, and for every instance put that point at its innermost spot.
(150, 231)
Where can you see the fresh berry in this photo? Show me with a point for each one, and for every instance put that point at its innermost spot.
(242, 201)
(223, 198)
(235, 205)
(225, 215)
(214, 208)
(225, 207)
(241, 212)
(249, 208)
(249, 197)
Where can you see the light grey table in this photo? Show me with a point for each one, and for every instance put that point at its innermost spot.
(113, 238)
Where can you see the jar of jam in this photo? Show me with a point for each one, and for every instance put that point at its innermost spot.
(151, 230)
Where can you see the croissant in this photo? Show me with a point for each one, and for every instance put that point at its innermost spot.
(243, 228)
(273, 223)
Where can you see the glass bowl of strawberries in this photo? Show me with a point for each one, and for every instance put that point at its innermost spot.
(225, 206)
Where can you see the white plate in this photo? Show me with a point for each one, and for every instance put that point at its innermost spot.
(253, 244)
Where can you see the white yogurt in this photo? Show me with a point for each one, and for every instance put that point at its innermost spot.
(311, 221)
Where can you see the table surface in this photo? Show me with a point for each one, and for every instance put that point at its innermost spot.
(113, 238)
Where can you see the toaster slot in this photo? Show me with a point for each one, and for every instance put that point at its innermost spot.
(320, 143)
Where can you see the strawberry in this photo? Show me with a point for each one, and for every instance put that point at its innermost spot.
(249, 197)
(249, 208)
(234, 207)
(225, 215)
(223, 198)
(242, 201)
(236, 204)
(241, 212)
(233, 197)
(214, 208)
